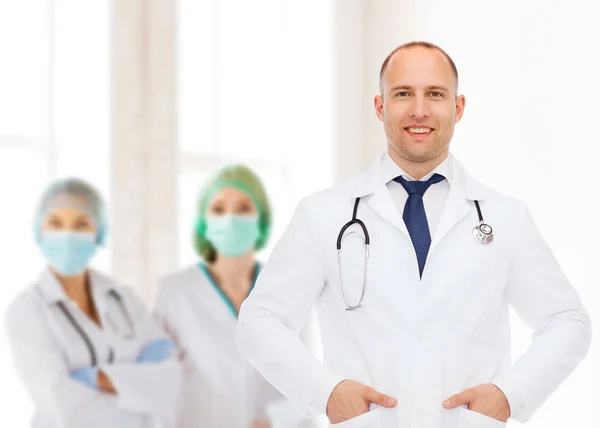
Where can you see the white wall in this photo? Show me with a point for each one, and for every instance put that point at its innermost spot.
(528, 71)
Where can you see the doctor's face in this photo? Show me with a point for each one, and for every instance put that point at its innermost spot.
(68, 219)
(419, 105)
(230, 200)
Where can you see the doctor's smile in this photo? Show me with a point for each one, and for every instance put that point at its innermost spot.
(419, 131)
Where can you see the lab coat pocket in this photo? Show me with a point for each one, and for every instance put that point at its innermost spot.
(470, 419)
(366, 420)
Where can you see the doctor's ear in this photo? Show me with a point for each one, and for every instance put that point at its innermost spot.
(460, 107)
(378, 103)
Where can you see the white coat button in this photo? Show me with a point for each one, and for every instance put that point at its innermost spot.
(420, 337)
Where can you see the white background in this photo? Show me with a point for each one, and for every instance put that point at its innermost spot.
(287, 88)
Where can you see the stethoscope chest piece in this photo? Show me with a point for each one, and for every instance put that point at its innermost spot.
(483, 233)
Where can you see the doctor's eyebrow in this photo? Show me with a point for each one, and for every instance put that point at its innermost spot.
(427, 88)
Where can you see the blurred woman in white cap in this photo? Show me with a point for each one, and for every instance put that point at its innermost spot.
(86, 349)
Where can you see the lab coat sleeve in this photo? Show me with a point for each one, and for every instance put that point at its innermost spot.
(279, 305)
(150, 388)
(268, 397)
(165, 313)
(544, 299)
(266, 394)
(278, 410)
(41, 366)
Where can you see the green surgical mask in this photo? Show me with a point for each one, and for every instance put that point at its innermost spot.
(232, 235)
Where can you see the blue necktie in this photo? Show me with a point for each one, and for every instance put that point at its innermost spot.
(415, 218)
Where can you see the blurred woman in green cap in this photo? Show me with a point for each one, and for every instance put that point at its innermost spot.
(199, 305)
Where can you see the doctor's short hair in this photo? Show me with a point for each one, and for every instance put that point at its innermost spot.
(416, 44)
(246, 180)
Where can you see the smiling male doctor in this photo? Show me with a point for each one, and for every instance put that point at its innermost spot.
(428, 344)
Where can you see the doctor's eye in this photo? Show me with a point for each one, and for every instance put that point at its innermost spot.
(245, 208)
(217, 209)
(54, 223)
(83, 224)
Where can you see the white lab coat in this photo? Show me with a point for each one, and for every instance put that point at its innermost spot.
(420, 341)
(46, 347)
(221, 389)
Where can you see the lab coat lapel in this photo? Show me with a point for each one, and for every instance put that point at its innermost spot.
(110, 308)
(222, 368)
(371, 183)
(455, 209)
(383, 204)
(463, 191)
(49, 288)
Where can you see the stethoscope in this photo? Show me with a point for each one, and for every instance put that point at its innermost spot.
(86, 338)
(483, 233)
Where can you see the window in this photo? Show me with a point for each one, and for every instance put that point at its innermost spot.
(54, 122)
(255, 88)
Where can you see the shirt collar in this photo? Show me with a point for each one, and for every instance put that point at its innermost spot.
(52, 292)
(391, 170)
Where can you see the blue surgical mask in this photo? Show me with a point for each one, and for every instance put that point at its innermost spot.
(232, 235)
(69, 253)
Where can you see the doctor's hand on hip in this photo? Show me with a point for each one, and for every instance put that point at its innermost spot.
(487, 399)
(350, 399)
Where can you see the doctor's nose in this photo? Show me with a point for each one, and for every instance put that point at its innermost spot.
(419, 109)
